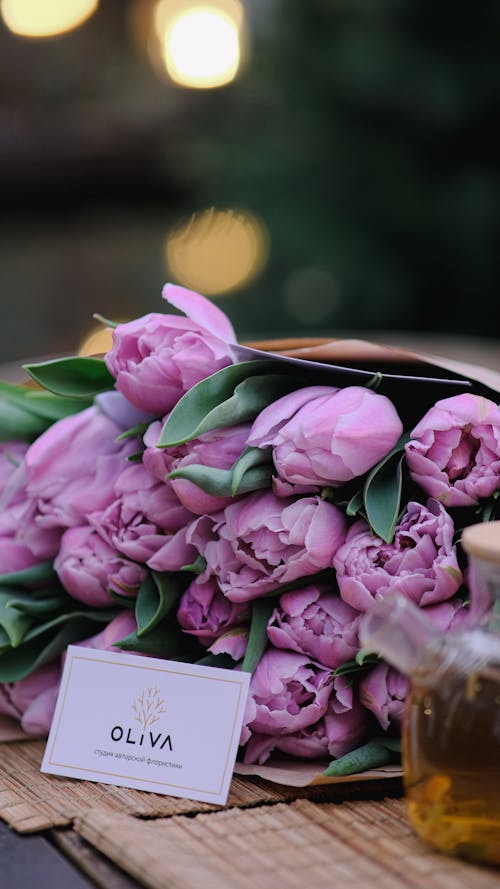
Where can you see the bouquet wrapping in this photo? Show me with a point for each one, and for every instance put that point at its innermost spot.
(190, 498)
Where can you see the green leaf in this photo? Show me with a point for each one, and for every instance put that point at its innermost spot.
(165, 641)
(219, 482)
(105, 321)
(382, 492)
(5, 643)
(355, 504)
(138, 430)
(54, 407)
(74, 377)
(251, 459)
(196, 567)
(20, 662)
(38, 574)
(17, 422)
(262, 610)
(124, 601)
(135, 458)
(40, 408)
(47, 640)
(232, 395)
(13, 622)
(94, 616)
(217, 660)
(356, 666)
(369, 756)
(366, 657)
(157, 594)
(37, 606)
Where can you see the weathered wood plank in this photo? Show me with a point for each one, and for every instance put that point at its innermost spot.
(93, 864)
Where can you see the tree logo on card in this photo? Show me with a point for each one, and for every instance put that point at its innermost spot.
(148, 707)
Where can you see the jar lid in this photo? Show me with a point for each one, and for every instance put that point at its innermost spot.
(483, 541)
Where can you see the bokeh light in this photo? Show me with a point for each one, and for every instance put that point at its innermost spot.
(45, 18)
(97, 342)
(201, 44)
(217, 251)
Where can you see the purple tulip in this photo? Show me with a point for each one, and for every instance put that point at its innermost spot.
(326, 436)
(88, 568)
(454, 452)
(220, 449)
(32, 700)
(143, 512)
(157, 358)
(72, 467)
(384, 691)
(316, 622)
(288, 692)
(206, 613)
(118, 409)
(421, 561)
(258, 543)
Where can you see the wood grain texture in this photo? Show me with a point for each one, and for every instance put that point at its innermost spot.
(322, 845)
(31, 801)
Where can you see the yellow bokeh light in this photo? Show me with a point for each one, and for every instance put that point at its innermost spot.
(217, 251)
(97, 342)
(45, 18)
(200, 44)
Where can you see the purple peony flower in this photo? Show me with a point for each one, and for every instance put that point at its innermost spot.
(421, 561)
(287, 693)
(206, 613)
(384, 691)
(157, 358)
(219, 449)
(343, 728)
(32, 700)
(449, 616)
(326, 436)
(316, 622)
(88, 568)
(143, 512)
(71, 469)
(258, 543)
(454, 452)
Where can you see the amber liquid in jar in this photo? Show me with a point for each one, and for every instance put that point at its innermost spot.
(451, 749)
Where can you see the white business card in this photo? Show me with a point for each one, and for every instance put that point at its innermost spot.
(147, 723)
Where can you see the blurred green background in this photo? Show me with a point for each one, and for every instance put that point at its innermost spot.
(345, 178)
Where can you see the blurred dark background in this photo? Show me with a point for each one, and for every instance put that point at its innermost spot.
(345, 178)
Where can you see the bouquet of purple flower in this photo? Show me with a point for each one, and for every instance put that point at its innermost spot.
(174, 500)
